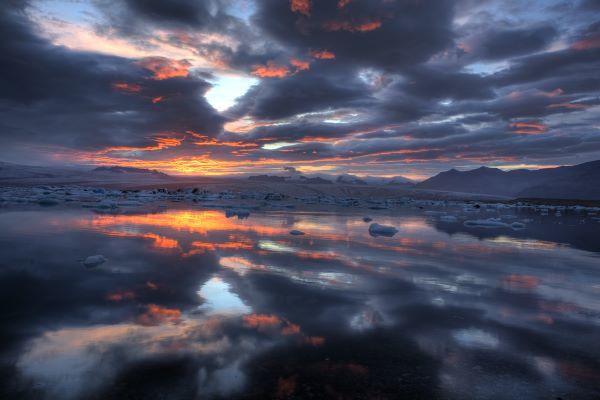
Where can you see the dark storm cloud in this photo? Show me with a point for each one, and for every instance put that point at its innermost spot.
(51, 95)
(502, 44)
(436, 83)
(429, 80)
(404, 32)
(313, 90)
(568, 62)
(184, 11)
(180, 21)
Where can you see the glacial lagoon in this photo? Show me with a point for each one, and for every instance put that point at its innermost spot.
(191, 303)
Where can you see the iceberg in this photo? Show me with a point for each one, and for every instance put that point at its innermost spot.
(382, 230)
(94, 261)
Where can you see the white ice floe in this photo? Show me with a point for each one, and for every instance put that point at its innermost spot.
(493, 223)
(94, 261)
(296, 232)
(382, 230)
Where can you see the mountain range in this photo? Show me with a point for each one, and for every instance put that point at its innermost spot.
(569, 182)
(580, 182)
(345, 179)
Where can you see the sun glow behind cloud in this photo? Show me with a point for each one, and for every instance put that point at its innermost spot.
(227, 88)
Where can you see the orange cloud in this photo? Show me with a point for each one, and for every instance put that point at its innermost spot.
(528, 128)
(300, 65)
(570, 106)
(127, 87)
(161, 143)
(262, 321)
(521, 281)
(208, 141)
(322, 54)
(157, 315)
(271, 70)
(348, 26)
(120, 296)
(591, 42)
(301, 6)
(554, 93)
(165, 68)
(291, 329)
(315, 340)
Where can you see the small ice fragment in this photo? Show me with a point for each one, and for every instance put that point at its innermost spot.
(382, 230)
(240, 213)
(296, 232)
(367, 219)
(517, 225)
(94, 261)
(486, 223)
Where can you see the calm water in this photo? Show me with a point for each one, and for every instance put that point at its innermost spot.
(191, 304)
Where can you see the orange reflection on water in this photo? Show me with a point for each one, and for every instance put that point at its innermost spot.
(160, 242)
(201, 222)
(208, 246)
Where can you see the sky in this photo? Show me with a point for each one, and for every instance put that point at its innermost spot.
(367, 87)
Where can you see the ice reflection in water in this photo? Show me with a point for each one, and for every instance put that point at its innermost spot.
(192, 304)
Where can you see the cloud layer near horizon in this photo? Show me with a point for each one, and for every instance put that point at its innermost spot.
(381, 87)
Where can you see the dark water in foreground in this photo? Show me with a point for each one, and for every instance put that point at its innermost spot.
(192, 305)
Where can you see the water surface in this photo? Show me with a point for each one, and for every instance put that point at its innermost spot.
(191, 304)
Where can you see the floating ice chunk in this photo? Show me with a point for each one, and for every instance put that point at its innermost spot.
(296, 232)
(517, 225)
(382, 230)
(448, 218)
(475, 338)
(94, 261)
(367, 219)
(239, 212)
(486, 223)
